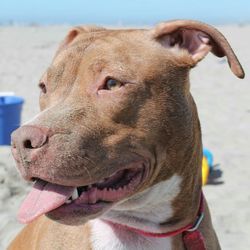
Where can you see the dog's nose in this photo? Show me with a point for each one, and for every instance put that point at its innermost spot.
(26, 140)
(29, 137)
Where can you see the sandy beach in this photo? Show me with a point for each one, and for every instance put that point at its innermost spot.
(224, 107)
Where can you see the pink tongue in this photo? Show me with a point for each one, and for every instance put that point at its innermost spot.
(43, 198)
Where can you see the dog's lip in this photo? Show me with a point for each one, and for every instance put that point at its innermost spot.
(112, 188)
(78, 180)
(83, 208)
(98, 182)
(72, 214)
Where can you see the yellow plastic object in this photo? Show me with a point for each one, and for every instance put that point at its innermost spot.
(205, 171)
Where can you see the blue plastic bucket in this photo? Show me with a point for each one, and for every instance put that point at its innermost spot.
(10, 116)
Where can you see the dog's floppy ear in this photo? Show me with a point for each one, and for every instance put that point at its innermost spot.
(73, 33)
(197, 39)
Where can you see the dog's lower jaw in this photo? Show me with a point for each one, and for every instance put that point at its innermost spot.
(149, 208)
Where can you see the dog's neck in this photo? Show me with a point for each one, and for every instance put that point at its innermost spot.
(151, 211)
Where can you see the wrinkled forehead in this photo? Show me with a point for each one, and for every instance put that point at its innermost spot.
(123, 51)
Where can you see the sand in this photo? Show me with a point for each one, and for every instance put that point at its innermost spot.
(224, 107)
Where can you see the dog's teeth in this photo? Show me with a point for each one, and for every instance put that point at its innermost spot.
(102, 181)
(68, 202)
(75, 194)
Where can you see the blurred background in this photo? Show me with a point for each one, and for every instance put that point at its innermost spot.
(117, 12)
(30, 31)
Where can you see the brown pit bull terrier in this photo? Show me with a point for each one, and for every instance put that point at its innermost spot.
(116, 151)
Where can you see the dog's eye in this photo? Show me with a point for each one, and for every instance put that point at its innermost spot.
(112, 84)
(43, 88)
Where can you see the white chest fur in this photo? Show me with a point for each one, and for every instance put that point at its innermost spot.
(105, 238)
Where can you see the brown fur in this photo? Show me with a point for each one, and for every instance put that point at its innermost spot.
(45, 234)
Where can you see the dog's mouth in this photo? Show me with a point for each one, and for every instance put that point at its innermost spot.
(58, 201)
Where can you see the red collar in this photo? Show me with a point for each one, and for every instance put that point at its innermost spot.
(192, 237)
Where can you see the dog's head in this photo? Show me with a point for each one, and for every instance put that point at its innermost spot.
(116, 118)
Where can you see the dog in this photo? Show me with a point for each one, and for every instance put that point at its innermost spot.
(115, 153)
